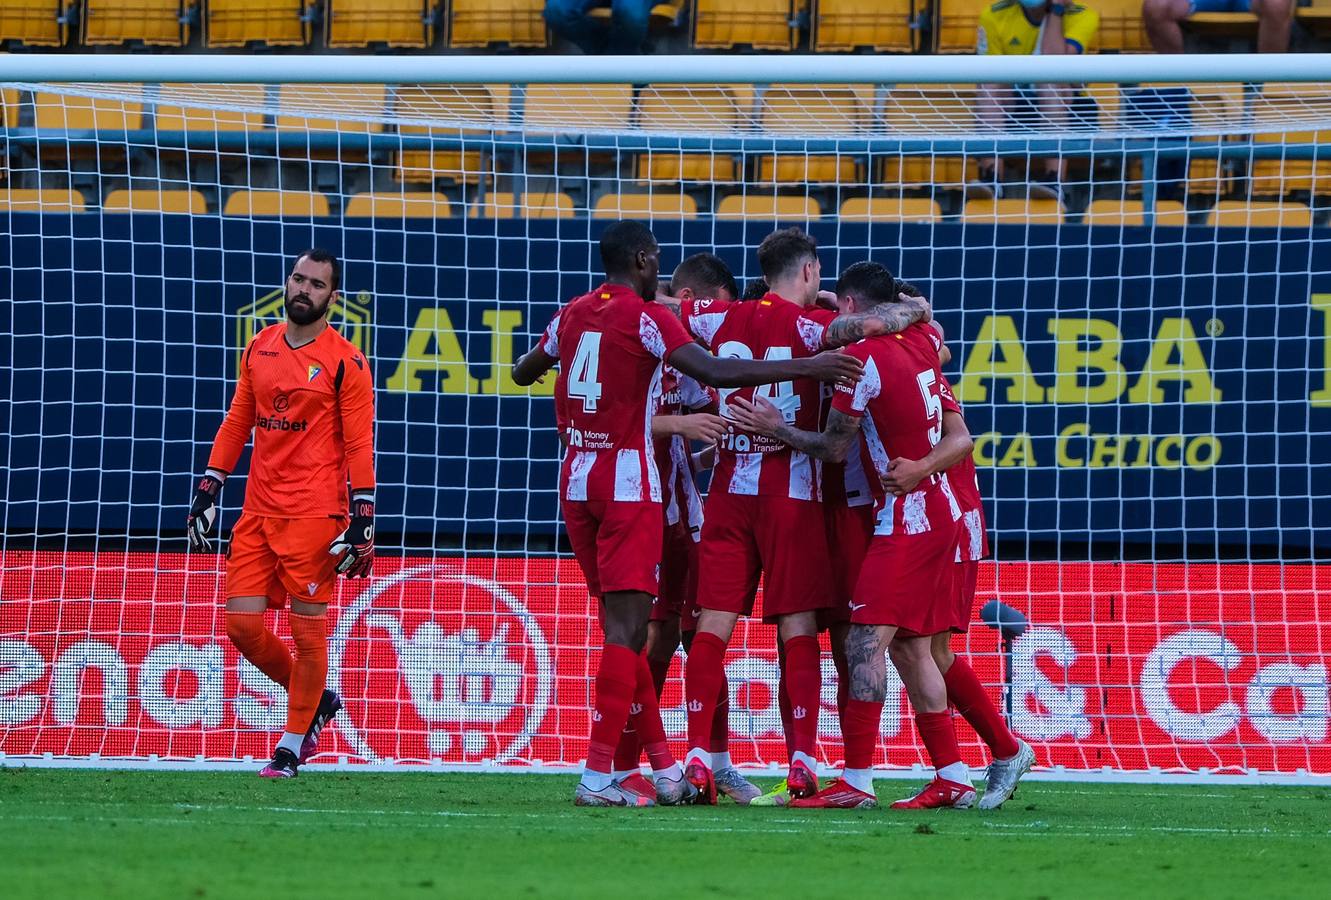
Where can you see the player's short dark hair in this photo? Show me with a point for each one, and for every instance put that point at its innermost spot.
(781, 251)
(623, 241)
(871, 283)
(756, 289)
(910, 290)
(706, 274)
(320, 255)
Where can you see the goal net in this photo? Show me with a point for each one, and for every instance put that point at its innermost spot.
(1137, 297)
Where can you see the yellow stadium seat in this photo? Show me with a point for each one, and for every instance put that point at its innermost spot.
(45, 201)
(67, 112)
(402, 205)
(666, 12)
(956, 23)
(9, 108)
(163, 23)
(365, 100)
(843, 25)
(1026, 211)
(1121, 26)
(278, 23)
(1120, 213)
(36, 23)
(928, 109)
(890, 209)
(918, 171)
(675, 107)
(485, 105)
(479, 23)
(769, 207)
(812, 111)
(175, 110)
(297, 204)
(1281, 106)
(168, 201)
(397, 23)
(571, 106)
(646, 206)
(1221, 23)
(763, 24)
(535, 205)
(1245, 214)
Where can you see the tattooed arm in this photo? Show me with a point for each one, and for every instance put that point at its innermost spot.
(885, 318)
(832, 444)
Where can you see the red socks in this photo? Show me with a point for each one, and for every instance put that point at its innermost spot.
(721, 718)
(616, 681)
(259, 645)
(704, 674)
(783, 705)
(645, 719)
(971, 700)
(939, 738)
(308, 672)
(859, 731)
(804, 684)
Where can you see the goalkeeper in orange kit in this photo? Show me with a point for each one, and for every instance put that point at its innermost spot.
(306, 394)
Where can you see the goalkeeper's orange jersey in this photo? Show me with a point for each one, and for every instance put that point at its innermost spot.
(311, 410)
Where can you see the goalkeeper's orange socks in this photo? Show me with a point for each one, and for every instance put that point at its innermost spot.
(616, 682)
(308, 673)
(965, 692)
(259, 645)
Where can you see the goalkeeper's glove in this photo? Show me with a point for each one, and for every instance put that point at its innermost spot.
(203, 512)
(356, 544)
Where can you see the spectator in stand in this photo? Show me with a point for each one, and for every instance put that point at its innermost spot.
(1025, 28)
(1162, 18)
(626, 31)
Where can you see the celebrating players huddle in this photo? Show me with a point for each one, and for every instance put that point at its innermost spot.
(862, 519)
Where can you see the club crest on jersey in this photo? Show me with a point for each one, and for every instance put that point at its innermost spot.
(314, 372)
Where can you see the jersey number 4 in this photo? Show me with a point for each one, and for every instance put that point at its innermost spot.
(584, 377)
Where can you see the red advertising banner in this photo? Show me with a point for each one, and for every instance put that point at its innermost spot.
(489, 661)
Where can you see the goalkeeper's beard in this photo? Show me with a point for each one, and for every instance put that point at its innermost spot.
(308, 314)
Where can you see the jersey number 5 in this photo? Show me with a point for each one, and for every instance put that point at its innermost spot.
(584, 374)
(933, 406)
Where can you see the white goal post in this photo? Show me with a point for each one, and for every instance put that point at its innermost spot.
(1138, 300)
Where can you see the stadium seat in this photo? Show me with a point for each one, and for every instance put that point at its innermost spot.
(38, 23)
(397, 23)
(1120, 213)
(163, 201)
(502, 205)
(661, 12)
(769, 207)
(1221, 23)
(162, 23)
(924, 109)
(762, 24)
(368, 101)
(956, 22)
(813, 111)
(1246, 214)
(564, 106)
(482, 104)
(277, 23)
(1316, 18)
(891, 209)
(9, 108)
(44, 201)
(67, 112)
(1025, 211)
(479, 23)
(297, 204)
(1121, 26)
(1282, 106)
(175, 111)
(645, 206)
(844, 25)
(677, 107)
(402, 205)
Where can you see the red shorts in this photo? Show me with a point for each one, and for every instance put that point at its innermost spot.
(272, 557)
(907, 581)
(781, 540)
(679, 577)
(618, 544)
(849, 530)
(967, 574)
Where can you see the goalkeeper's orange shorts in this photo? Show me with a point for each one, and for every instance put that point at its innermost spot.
(272, 557)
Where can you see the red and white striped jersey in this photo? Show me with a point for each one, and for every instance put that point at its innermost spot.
(770, 328)
(674, 459)
(902, 398)
(611, 345)
(965, 483)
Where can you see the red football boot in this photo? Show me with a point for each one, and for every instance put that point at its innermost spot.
(638, 784)
(837, 795)
(800, 781)
(940, 794)
(698, 775)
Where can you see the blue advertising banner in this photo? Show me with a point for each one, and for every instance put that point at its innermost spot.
(1125, 386)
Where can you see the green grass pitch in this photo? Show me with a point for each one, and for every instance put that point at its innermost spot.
(139, 835)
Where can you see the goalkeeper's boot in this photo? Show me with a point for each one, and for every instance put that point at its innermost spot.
(940, 794)
(700, 777)
(638, 784)
(674, 791)
(284, 765)
(1003, 774)
(329, 705)
(735, 786)
(837, 795)
(779, 795)
(611, 795)
(801, 781)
